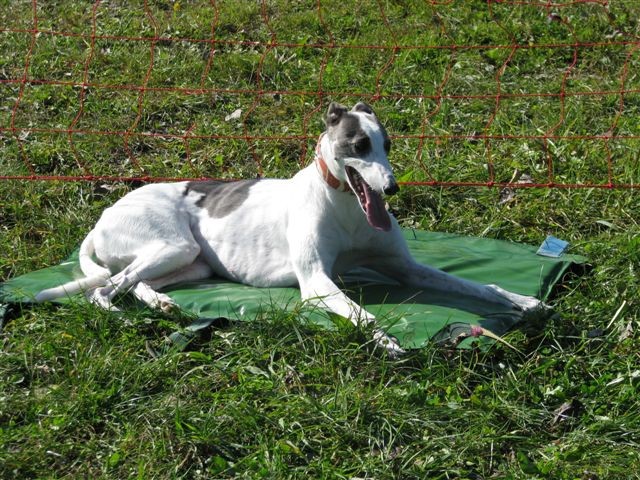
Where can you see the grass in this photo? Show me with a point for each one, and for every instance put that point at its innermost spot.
(83, 395)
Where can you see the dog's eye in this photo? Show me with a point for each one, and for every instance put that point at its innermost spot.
(362, 145)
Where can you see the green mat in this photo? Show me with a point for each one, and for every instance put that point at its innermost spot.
(413, 316)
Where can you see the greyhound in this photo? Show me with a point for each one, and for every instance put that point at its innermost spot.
(326, 220)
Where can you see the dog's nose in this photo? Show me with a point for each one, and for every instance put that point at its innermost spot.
(392, 189)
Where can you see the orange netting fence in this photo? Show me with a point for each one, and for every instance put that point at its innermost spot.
(475, 93)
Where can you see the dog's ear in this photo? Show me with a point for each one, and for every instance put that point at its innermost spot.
(335, 113)
(362, 107)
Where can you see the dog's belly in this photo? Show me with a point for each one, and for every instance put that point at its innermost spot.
(248, 245)
(259, 267)
(246, 257)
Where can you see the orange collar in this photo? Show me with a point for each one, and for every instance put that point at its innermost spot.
(329, 177)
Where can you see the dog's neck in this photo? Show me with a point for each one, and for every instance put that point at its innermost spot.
(324, 171)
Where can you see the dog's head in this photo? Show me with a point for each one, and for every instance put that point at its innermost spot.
(360, 146)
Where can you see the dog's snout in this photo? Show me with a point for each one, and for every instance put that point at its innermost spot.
(391, 189)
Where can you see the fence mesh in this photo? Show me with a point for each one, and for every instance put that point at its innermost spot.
(474, 93)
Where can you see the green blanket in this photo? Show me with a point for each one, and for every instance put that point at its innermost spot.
(413, 316)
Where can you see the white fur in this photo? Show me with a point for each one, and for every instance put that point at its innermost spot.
(287, 232)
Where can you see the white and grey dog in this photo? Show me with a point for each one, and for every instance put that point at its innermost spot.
(329, 218)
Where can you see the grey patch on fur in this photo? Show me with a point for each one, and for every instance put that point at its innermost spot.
(220, 198)
(363, 107)
(350, 139)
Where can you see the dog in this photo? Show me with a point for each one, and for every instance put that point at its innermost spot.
(326, 220)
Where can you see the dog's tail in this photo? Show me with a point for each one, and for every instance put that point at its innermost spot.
(88, 266)
(96, 275)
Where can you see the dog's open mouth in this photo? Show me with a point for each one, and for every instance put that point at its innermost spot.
(371, 201)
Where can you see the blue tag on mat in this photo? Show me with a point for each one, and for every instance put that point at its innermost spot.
(552, 247)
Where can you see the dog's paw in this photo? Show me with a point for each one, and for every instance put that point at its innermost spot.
(390, 344)
(529, 307)
(536, 311)
(166, 304)
(102, 298)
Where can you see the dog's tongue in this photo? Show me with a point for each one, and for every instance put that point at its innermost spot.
(377, 215)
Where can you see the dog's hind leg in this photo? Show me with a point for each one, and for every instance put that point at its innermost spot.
(146, 291)
(198, 270)
(155, 300)
(155, 262)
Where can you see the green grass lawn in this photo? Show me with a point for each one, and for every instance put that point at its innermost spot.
(83, 393)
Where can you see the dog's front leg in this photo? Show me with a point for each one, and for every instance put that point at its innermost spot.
(414, 274)
(319, 290)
